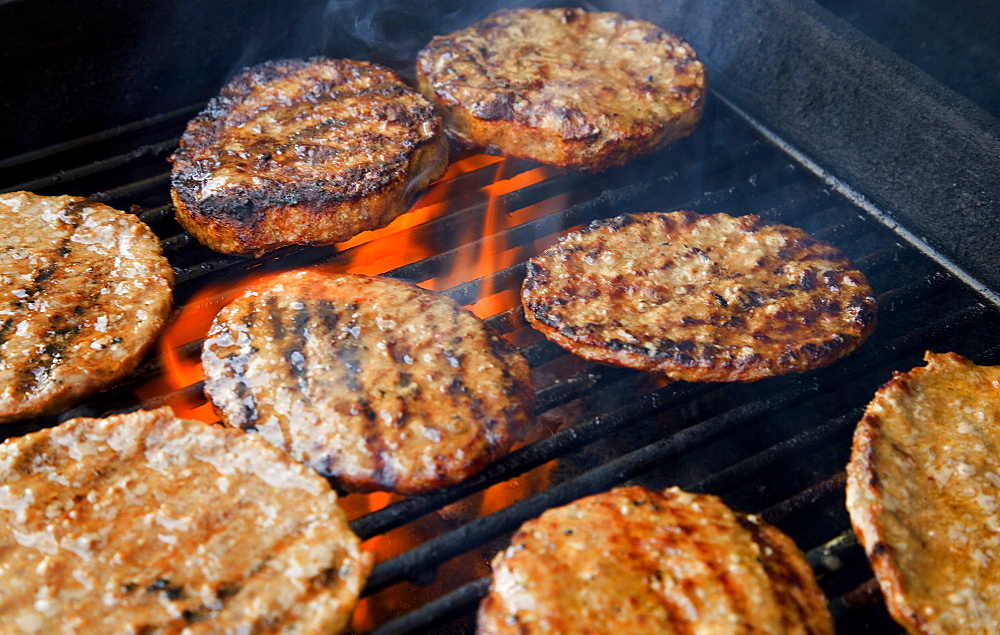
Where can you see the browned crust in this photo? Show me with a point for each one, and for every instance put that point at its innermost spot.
(147, 523)
(567, 87)
(922, 494)
(375, 382)
(636, 561)
(304, 152)
(84, 292)
(699, 298)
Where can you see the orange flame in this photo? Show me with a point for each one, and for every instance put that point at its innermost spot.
(509, 492)
(375, 253)
(488, 251)
(179, 347)
(404, 597)
(383, 547)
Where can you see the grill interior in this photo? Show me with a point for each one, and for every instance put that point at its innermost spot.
(776, 447)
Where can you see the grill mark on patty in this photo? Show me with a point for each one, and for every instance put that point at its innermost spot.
(295, 350)
(382, 473)
(327, 315)
(713, 286)
(316, 131)
(382, 408)
(5, 329)
(248, 415)
(679, 615)
(348, 351)
(778, 567)
(275, 318)
(459, 391)
(709, 555)
(283, 136)
(713, 557)
(41, 280)
(39, 368)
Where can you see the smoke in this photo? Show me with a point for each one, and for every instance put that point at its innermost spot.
(390, 32)
(393, 31)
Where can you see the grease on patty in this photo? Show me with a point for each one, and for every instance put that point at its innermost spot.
(374, 382)
(636, 561)
(699, 298)
(84, 292)
(567, 87)
(144, 522)
(307, 151)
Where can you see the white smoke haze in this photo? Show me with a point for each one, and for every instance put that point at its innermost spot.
(393, 31)
(390, 32)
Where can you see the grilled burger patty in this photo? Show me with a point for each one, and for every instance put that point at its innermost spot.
(564, 86)
(304, 152)
(144, 523)
(699, 298)
(375, 382)
(922, 492)
(84, 291)
(636, 561)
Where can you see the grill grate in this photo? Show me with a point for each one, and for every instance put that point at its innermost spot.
(776, 447)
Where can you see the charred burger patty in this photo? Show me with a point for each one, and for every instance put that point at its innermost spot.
(637, 561)
(375, 382)
(145, 523)
(922, 494)
(307, 151)
(699, 297)
(84, 292)
(565, 87)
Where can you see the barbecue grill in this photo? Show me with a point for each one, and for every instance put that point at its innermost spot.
(809, 123)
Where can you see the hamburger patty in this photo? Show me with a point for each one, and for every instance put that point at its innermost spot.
(699, 298)
(374, 382)
(143, 523)
(636, 561)
(564, 86)
(84, 291)
(922, 492)
(304, 152)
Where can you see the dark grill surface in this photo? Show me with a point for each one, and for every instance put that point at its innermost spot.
(776, 447)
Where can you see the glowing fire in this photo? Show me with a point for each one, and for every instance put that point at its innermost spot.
(482, 251)
(381, 250)
(179, 353)
(404, 597)
(487, 252)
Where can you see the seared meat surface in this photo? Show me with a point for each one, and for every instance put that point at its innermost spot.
(565, 87)
(375, 382)
(84, 292)
(304, 152)
(145, 523)
(922, 488)
(636, 561)
(699, 298)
